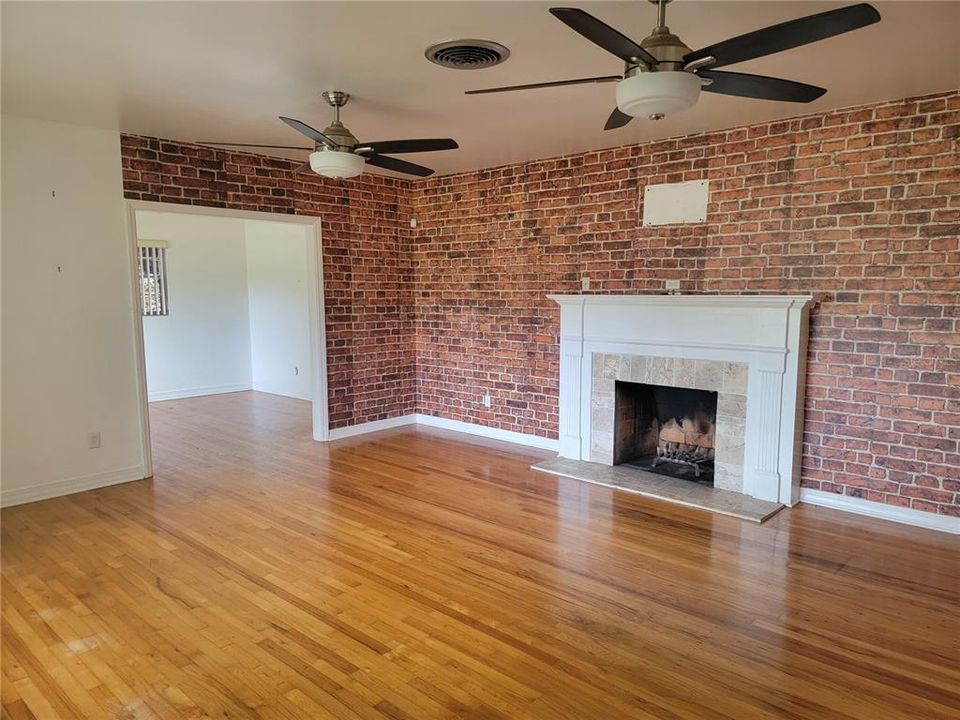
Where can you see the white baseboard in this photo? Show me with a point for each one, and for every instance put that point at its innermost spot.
(895, 513)
(455, 425)
(71, 485)
(294, 396)
(373, 426)
(489, 432)
(196, 392)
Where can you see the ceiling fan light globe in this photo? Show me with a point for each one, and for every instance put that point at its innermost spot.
(657, 94)
(336, 163)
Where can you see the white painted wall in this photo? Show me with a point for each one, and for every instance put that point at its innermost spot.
(203, 346)
(277, 266)
(239, 307)
(68, 324)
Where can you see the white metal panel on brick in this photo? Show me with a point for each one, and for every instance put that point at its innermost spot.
(675, 203)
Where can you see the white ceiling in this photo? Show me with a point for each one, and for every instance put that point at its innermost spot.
(224, 71)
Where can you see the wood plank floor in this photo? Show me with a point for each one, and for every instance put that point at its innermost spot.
(419, 574)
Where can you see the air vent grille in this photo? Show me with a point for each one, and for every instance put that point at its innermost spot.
(467, 54)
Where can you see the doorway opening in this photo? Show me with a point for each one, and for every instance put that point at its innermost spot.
(231, 302)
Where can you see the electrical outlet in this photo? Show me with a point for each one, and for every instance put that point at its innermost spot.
(93, 440)
(672, 284)
(584, 283)
(487, 401)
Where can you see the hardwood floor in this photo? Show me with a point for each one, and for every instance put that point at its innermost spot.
(418, 574)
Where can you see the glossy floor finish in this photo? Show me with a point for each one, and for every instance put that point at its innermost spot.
(419, 574)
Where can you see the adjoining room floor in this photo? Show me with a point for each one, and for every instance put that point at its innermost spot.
(420, 574)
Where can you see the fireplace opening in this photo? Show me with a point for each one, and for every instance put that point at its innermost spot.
(666, 430)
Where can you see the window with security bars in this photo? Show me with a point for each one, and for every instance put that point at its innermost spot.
(153, 280)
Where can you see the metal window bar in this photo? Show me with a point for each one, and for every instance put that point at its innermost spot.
(153, 280)
(162, 275)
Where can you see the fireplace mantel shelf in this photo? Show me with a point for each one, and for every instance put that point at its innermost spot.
(768, 301)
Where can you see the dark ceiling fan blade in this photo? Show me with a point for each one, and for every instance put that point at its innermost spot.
(407, 146)
(759, 86)
(389, 163)
(787, 35)
(310, 132)
(555, 83)
(253, 145)
(599, 33)
(617, 119)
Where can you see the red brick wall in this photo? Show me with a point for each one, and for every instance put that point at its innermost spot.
(861, 205)
(367, 265)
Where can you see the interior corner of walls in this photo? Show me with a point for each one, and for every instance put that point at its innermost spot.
(280, 308)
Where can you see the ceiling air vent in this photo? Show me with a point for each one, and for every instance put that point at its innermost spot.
(467, 54)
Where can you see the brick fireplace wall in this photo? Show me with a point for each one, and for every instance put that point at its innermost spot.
(860, 206)
(367, 265)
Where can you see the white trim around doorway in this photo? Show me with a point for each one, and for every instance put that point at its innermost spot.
(318, 335)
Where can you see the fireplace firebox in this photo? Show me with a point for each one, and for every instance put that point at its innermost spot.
(666, 430)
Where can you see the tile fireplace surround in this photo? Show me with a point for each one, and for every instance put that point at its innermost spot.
(750, 349)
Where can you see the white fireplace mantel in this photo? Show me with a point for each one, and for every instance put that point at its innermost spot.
(766, 332)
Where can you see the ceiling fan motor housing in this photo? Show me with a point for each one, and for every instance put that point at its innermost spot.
(662, 90)
(340, 135)
(342, 162)
(665, 47)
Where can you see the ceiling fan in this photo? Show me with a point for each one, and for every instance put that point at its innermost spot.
(336, 153)
(663, 76)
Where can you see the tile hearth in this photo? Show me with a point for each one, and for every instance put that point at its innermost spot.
(661, 487)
